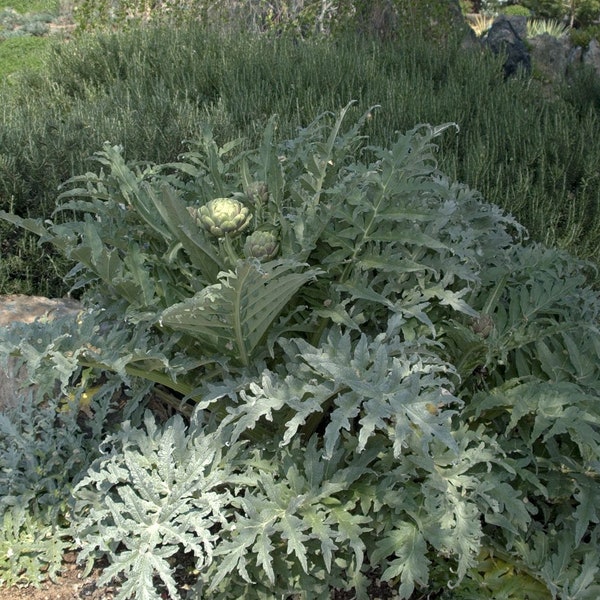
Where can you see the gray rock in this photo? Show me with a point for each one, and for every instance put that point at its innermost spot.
(575, 55)
(26, 309)
(519, 24)
(551, 56)
(506, 36)
(591, 56)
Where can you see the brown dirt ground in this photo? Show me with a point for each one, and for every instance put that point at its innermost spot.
(71, 585)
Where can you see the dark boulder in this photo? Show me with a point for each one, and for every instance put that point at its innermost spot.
(506, 37)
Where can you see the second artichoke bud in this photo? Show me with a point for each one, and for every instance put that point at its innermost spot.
(257, 192)
(224, 216)
(262, 245)
(483, 325)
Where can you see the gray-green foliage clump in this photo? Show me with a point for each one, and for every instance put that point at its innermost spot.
(47, 441)
(41, 452)
(404, 386)
(582, 12)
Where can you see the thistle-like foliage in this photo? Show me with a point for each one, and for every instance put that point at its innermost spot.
(404, 387)
(46, 444)
(160, 491)
(370, 387)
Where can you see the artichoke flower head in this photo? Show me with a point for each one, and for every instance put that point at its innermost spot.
(224, 216)
(257, 192)
(262, 245)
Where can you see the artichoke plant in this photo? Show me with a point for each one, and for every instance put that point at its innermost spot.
(224, 216)
(262, 245)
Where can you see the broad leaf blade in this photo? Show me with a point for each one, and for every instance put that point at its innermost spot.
(233, 315)
(178, 220)
(410, 563)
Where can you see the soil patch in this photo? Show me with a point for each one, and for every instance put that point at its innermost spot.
(71, 585)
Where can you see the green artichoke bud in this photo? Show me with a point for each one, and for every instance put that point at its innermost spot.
(224, 216)
(483, 325)
(262, 245)
(257, 192)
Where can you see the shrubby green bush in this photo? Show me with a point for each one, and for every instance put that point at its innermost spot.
(399, 383)
(539, 164)
(552, 9)
(583, 37)
(19, 22)
(493, 7)
(583, 89)
(582, 12)
(304, 18)
(516, 10)
(466, 6)
(32, 6)
(301, 18)
(587, 12)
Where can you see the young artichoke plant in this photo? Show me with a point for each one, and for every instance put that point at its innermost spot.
(262, 245)
(224, 217)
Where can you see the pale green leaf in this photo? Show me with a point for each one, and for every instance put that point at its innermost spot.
(232, 558)
(405, 551)
(586, 585)
(234, 315)
(263, 549)
(33, 225)
(588, 507)
(173, 211)
(292, 530)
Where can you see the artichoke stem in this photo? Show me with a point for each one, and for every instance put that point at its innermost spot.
(229, 250)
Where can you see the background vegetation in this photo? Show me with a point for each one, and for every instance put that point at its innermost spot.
(23, 33)
(354, 365)
(152, 87)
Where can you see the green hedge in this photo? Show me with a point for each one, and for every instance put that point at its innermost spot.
(151, 88)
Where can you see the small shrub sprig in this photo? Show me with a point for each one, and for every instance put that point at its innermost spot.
(390, 379)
